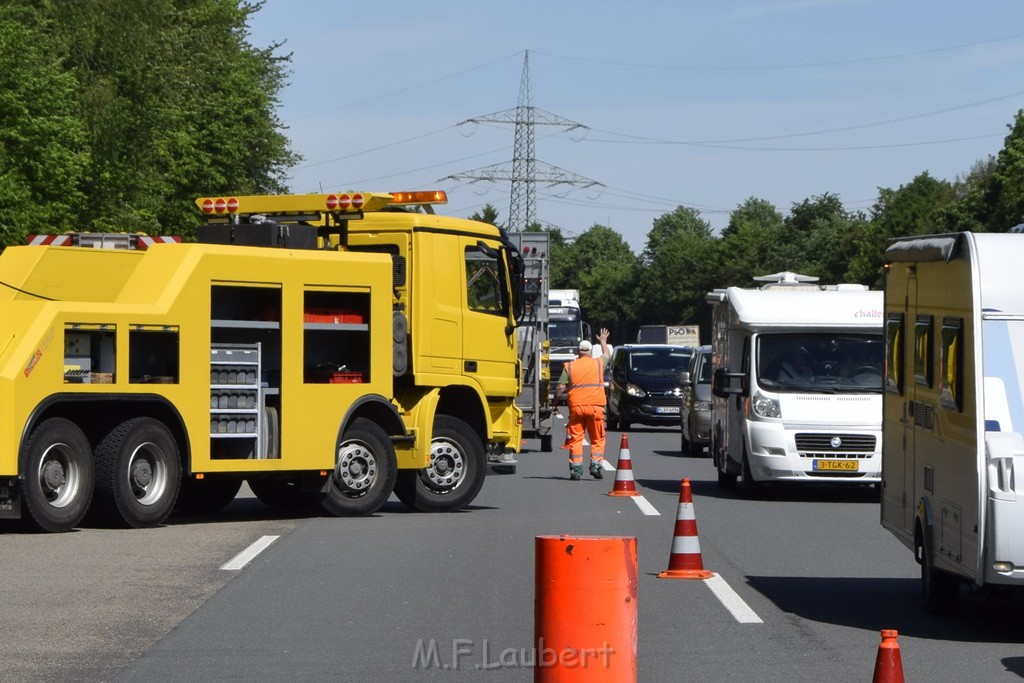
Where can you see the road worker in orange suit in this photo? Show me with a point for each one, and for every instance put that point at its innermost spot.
(584, 380)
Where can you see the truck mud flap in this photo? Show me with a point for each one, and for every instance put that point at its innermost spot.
(10, 500)
(501, 463)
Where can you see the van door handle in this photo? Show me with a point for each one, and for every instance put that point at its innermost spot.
(469, 366)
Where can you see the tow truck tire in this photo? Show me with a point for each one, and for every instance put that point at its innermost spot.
(58, 475)
(364, 472)
(458, 465)
(203, 496)
(138, 473)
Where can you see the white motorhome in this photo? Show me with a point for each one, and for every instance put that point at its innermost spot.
(797, 383)
(954, 410)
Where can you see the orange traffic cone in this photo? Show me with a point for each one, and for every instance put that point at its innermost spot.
(888, 665)
(624, 484)
(685, 561)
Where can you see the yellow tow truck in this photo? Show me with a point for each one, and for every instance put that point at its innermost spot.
(327, 349)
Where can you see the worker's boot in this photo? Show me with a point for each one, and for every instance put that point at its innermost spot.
(596, 471)
(575, 472)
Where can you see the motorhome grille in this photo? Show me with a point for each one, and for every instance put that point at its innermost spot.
(812, 445)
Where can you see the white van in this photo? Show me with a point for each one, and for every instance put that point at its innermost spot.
(954, 410)
(797, 383)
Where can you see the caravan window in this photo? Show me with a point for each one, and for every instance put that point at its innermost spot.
(952, 364)
(923, 350)
(894, 353)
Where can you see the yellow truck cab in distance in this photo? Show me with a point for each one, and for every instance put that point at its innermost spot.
(328, 349)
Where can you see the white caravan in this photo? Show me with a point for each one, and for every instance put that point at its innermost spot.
(954, 410)
(797, 384)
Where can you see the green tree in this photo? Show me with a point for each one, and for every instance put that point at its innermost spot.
(824, 234)
(753, 243)
(912, 209)
(604, 269)
(1006, 192)
(675, 275)
(42, 142)
(486, 214)
(969, 210)
(185, 107)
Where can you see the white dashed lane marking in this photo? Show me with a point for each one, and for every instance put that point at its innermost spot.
(249, 554)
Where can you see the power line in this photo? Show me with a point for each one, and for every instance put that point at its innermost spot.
(767, 67)
(639, 139)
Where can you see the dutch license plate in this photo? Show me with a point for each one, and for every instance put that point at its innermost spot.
(673, 410)
(836, 465)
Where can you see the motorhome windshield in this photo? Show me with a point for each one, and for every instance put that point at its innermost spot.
(828, 363)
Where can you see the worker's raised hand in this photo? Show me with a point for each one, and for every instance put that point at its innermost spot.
(602, 336)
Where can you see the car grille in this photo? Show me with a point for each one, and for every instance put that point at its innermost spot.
(665, 400)
(820, 445)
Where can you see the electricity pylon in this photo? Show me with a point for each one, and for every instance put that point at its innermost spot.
(525, 170)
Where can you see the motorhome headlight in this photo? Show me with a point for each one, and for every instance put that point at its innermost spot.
(1002, 567)
(764, 406)
(634, 390)
(702, 406)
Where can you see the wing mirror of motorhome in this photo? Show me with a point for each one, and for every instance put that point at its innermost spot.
(727, 383)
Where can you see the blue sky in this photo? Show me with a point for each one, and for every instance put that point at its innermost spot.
(698, 104)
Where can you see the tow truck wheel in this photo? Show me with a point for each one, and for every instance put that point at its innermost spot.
(138, 472)
(59, 475)
(458, 464)
(203, 496)
(364, 472)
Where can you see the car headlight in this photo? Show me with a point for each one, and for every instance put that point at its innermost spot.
(634, 390)
(764, 406)
(702, 406)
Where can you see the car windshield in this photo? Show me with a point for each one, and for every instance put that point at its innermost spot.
(828, 363)
(667, 362)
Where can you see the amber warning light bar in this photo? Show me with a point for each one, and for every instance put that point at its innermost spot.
(344, 202)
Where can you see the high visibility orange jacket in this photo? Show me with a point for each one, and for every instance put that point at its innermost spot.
(586, 382)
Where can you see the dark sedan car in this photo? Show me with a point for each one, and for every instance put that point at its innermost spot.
(644, 384)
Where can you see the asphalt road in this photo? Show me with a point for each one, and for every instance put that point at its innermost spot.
(404, 596)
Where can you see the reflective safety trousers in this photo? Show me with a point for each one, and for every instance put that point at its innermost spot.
(585, 420)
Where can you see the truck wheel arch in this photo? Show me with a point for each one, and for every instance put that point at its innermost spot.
(377, 409)
(98, 415)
